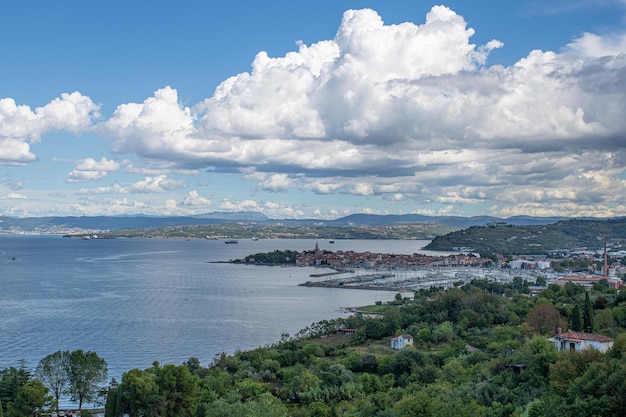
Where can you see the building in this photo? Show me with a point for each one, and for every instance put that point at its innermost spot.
(524, 264)
(401, 341)
(346, 331)
(578, 341)
(587, 281)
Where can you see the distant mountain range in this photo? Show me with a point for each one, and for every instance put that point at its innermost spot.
(63, 224)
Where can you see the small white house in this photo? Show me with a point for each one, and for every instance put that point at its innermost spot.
(401, 341)
(578, 341)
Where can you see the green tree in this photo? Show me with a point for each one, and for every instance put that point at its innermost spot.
(11, 380)
(86, 371)
(374, 328)
(587, 315)
(112, 404)
(443, 332)
(391, 320)
(52, 372)
(30, 400)
(138, 395)
(577, 319)
(179, 390)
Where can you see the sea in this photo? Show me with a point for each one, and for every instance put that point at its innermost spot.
(137, 301)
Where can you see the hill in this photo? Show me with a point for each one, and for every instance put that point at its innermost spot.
(107, 223)
(535, 239)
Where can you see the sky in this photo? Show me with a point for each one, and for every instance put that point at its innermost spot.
(313, 109)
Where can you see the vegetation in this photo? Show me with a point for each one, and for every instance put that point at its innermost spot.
(480, 349)
(277, 257)
(52, 372)
(86, 371)
(542, 239)
(273, 231)
(78, 374)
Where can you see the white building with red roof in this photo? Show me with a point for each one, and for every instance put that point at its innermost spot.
(401, 341)
(578, 341)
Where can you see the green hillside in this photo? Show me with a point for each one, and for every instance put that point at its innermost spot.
(537, 239)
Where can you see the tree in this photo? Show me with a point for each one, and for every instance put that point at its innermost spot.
(138, 395)
(391, 320)
(85, 372)
(112, 406)
(11, 380)
(544, 319)
(52, 372)
(577, 319)
(587, 315)
(30, 399)
(179, 390)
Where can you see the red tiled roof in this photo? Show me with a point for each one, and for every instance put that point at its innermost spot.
(593, 337)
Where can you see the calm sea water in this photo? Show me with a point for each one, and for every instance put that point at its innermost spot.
(134, 301)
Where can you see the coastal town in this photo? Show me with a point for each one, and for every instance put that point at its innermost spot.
(402, 272)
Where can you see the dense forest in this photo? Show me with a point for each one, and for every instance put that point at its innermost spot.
(480, 349)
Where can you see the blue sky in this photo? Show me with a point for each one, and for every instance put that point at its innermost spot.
(313, 109)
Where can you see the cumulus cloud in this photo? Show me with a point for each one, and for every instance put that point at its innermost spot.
(89, 170)
(15, 152)
(193, 198)
(411, 112)
(158, 184)
(245, 205)
(21, 125)
(153, 128)
(276, 183)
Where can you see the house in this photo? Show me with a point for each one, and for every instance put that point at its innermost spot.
(401, 341)
(578, 341)
(346, 331)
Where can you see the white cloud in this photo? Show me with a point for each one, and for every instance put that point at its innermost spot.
(90, 170)
(410, 112)
(251, 174)
(193, 198)
(276, 183)
(596, 46)
(113, 189)
(170, 204)
(158, 126)
(15, 152)
(15, 196)
(158, 184)
(72, 112)
(20, 124)
(245, 205)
